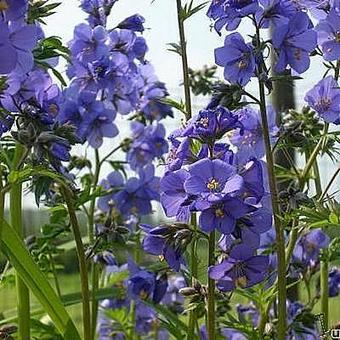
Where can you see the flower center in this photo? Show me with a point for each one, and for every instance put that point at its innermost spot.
(219, 213)
(242, 64)
(337, 37)
(323, 104)
(213, 184)
(241, 279)
(3, 5)
(204, 122)
(297, 54)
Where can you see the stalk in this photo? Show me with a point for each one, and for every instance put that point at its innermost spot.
(211, 290)
(94, 267)
(188, 110)
(82, 262)
(184, 56)
(23, 298)
(280, 242)
(194, 265)
(324, 268)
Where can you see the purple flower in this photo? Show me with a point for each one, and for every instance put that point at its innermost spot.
(174, 199)
(212, 124)
(250, 140)
(324, 98)
(229, 12)
(148, 143)
(248, 314)
(294, 41)
(114, 181)
(240, 269)
(98, 10)
(13, 9)
(212, 180)
(139, 192)
(307, 249)
(89, 44)
(237, 58)
(329, 36)
(222, 216)
(334, 282)
(276, 12)
(16, 44)
(134, 23)
(252, 174)
(97, 123)
(157, 242)
(172, 298)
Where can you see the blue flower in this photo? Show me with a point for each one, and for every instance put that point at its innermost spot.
(329, 36)
(212, 181)
(148, 143)
(222, 216)
(324, 98)
(139, 192)
(241, 269)
(294, 41)
(97, 123)
(159, 241)
(134, 23)
(334, 282)
(230, 12)
(249, 140)
(237, 58)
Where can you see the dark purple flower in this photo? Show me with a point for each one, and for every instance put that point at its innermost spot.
(294, 41)
(307, 249)
(211, 124)
(134, 23)
(148, 143)
(222, 216)
(175, 201)
(142, 284)
(230, 12)
(114, 181)
(249, 140)
(61, 151)
(324, 98)
(248, 314)
(252, 174)
(237, 58)
(98, 10)
(156, 243)
(329, 36)
(334, 282)
(241, 269)
(139, 192)
(97, 123)
(276, 12)
(172, 298)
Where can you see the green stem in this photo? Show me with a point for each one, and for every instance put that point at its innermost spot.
(330, 183)
(184, 56)
(23, 298)
(211, 290)
(68, 196)
(55, 276)
(280, 241)
(324, 289)
(193, 272)
(94, 267)
(317, 179)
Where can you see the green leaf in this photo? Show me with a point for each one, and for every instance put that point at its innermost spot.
(36, 281)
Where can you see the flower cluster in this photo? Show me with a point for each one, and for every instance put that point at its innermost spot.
(141, 286)
(225, 184)
(30, 101)
(109, 75)
(293, 37)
